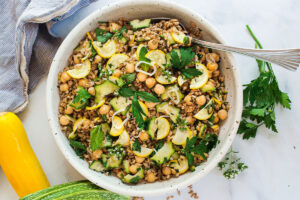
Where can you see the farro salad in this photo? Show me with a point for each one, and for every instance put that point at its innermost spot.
(140, 101)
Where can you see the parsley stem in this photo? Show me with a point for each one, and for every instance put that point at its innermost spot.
(254, 37)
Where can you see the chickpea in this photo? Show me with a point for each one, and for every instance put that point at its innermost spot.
(82, 82)
(153, 44)
(97, 59)
(120, 174)
(63, 120)
(188, 100)
(133, 169)
(216, 119)
(166, 171)
(64, 87)
(190, 120)
(150, 82)
(104, 109)
(215, 56)
(150, 177)
(144, 136)
(201, 100)
(222, 114)
(86, 124)
(212, 66)
(114, 27)
(68, 110)
(159, 89)
(130, 68)
(141, 77)
(216, 73)
(97, 154)
(139, 159)
(150, 104)
(76, 59)
(117, 73)
(91, 90)
(173, 171)
(65, 77)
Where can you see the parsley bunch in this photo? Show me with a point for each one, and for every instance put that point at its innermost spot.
(180, 62)
(231, 165)
(261, 96)
(127, 91)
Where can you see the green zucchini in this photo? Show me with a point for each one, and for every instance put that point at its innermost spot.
(83, 190)
(138, 24)
(105, 88)
(119, 103)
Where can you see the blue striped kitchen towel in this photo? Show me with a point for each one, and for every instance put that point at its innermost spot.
(26, 47)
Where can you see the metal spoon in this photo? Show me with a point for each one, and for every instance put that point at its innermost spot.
(287, 58)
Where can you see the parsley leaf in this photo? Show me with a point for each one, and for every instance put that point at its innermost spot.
(81, 99)
(126, 91)
(203, 146)
(102, 36)
(78, 147)
(136, 145)
(261, 96)
(147, 97)
(97, 137)
(128, 78)
(119, 34)
(137, 112)
(179, 62)
(94, 52)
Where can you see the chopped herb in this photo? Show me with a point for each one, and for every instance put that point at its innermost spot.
(119, 34)
(81, 99)
(97, 137)
(179, 62)
(204, 145)
(231, 165)
(147, 96)
(136, 146)
(128, 78)
(104, 118)
(78, 147)
(102, 36)
(94, 52)
(261, 96)
(186, 40)
(137, 112)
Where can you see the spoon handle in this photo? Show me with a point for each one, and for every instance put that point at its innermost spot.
(287, 58)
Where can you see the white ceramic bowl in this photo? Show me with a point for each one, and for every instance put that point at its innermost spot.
(133, 9)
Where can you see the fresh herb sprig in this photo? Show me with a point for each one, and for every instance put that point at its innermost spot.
(180, 62)
(231, 166)
(78, 147)
(207, 143)
(127, 91)
(261, 96)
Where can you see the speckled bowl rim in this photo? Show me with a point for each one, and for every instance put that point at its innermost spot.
(81, 167)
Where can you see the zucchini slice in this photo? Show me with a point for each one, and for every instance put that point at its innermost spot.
(163, 154)
(138, 24)
(105, 88)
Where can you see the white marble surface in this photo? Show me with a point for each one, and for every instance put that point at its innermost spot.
(273, 160)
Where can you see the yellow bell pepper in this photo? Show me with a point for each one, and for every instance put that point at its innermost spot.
(17, 158)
